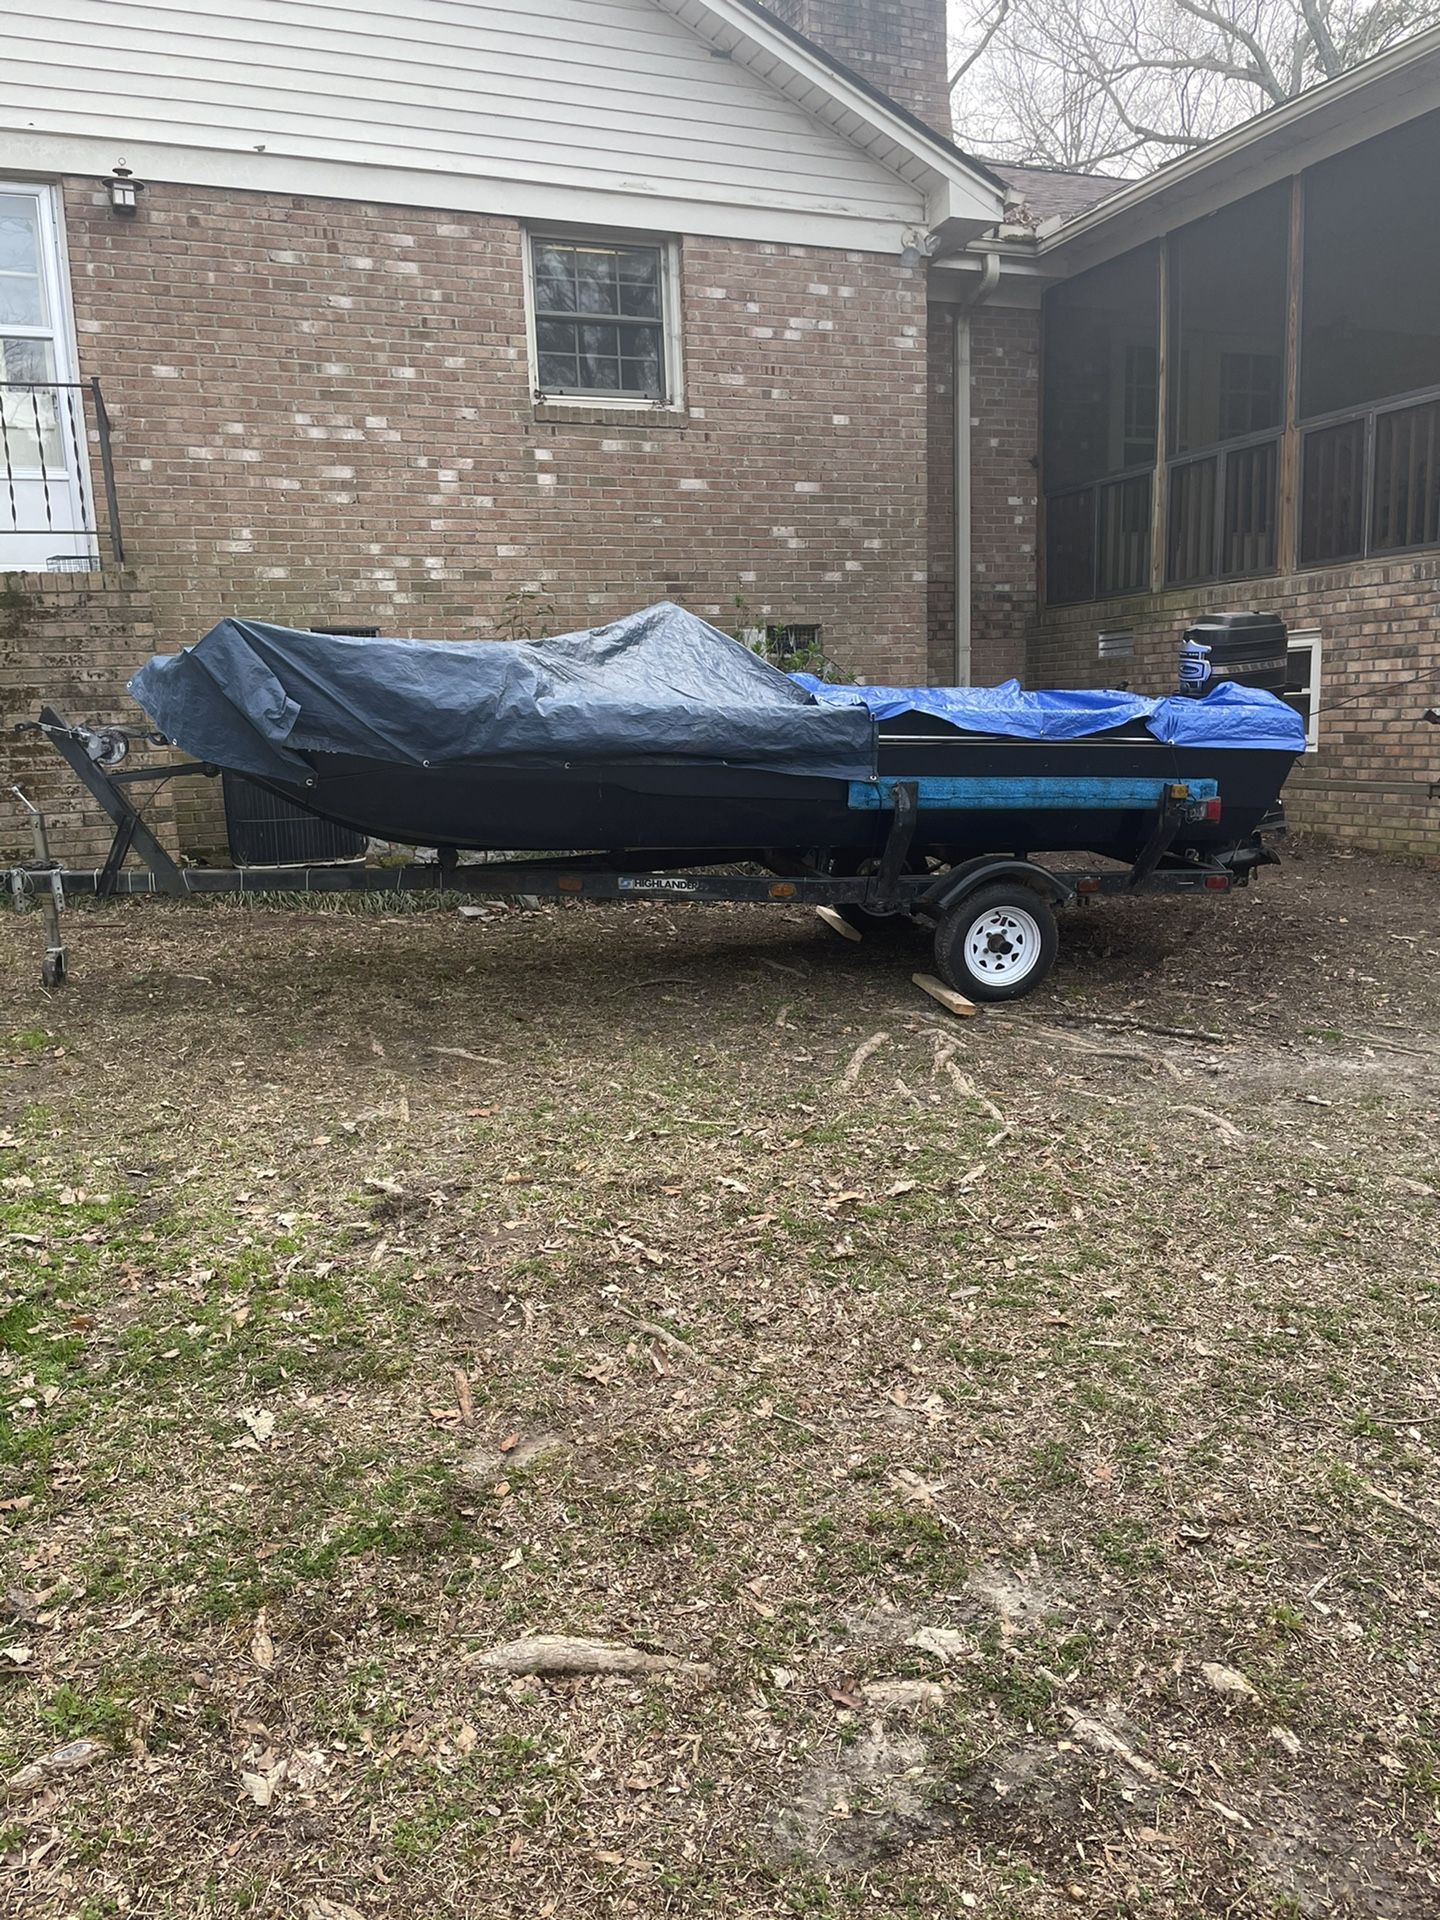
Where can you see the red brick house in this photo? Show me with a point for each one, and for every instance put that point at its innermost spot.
(473, 315)
(454, 317)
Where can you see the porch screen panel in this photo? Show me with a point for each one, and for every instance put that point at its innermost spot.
(1370, 307)
(1070, 547)
(1123, 536)
(1405, 492)
(1332, 493)
(1190, 536)
(1227, 322)
(1247, 530)
(1100, 373)
(1226, 333)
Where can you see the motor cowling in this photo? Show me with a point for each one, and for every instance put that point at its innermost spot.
(1248, 648)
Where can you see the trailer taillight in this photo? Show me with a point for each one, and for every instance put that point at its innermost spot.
(1212, 809)
(1217, 882)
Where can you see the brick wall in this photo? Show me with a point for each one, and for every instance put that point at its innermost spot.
(67, 641)
(1380, 667)
(940, 614)
(1004, 386)
(1004, 399)
(322, 415)
(899, 46)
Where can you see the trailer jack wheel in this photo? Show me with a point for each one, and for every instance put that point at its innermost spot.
(52, 970)
(997, 943)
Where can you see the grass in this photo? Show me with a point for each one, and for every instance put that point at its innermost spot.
(1099, 1393)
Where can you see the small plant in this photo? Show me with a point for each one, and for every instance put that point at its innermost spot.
(526, 615)
(792, 648)
(72, 1715)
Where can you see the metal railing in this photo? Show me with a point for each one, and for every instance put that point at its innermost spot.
(47, 431)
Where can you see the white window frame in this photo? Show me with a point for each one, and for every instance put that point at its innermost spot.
(1309, 642)
(59, 331)
(670, 313)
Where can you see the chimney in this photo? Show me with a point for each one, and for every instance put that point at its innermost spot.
(899, 46)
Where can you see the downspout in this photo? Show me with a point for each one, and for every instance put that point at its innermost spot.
(988, 281)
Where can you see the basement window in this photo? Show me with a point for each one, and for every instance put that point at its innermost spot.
(1302, 683)
(796, 641)
(602, 315)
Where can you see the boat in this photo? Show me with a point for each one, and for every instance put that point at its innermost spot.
(660, 739)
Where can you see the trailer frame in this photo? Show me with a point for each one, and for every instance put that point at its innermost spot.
(891, 890)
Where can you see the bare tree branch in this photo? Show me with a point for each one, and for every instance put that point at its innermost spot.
(1229, 28)
(999, 15)
(1079, 83)
(1314, 17)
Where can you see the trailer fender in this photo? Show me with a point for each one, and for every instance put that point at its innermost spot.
(952, 886)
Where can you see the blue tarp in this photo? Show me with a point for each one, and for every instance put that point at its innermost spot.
(656, 685)
(1231, 716)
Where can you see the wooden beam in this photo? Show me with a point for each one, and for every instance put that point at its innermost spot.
(1159, 503)
(1287, 540)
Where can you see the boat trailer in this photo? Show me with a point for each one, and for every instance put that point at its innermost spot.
(992, 915)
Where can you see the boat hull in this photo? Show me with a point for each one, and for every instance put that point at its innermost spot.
(977, 795)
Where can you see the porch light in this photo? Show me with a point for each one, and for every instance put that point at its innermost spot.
(124, 191)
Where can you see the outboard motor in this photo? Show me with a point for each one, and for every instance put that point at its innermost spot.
(1248, 648)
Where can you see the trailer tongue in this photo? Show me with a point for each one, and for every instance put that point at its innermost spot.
(667, 754)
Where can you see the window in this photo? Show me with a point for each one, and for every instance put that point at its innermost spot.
(29, 419)
(1249, 393)
(602, 319)
(1302, 683)
(45, 517)
(795, 641)
(1101, 360)
(1142, 391)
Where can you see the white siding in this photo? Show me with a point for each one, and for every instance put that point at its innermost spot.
(609, 97)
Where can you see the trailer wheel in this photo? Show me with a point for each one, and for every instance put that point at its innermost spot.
(52, 970)
(997, 943)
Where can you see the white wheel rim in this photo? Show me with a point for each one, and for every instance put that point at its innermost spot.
(1003, 945)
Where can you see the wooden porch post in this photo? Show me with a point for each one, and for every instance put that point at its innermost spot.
(1158, 489)
(1287, 544)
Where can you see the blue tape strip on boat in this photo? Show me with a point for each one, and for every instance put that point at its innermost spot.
(1033, 792)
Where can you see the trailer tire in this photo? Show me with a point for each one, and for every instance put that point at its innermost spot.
(52, 970)
(997, 943)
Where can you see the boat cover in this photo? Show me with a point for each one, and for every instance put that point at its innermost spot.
(1230, 716)
(658, 684)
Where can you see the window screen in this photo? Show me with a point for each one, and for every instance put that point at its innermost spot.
(1370, 310)
(1227, 319)
(1101, 344)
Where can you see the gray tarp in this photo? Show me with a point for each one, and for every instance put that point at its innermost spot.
(656, 684)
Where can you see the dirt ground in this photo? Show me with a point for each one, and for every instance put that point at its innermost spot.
(1007, 1449)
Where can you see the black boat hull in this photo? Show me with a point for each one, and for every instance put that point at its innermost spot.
(646, 807)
